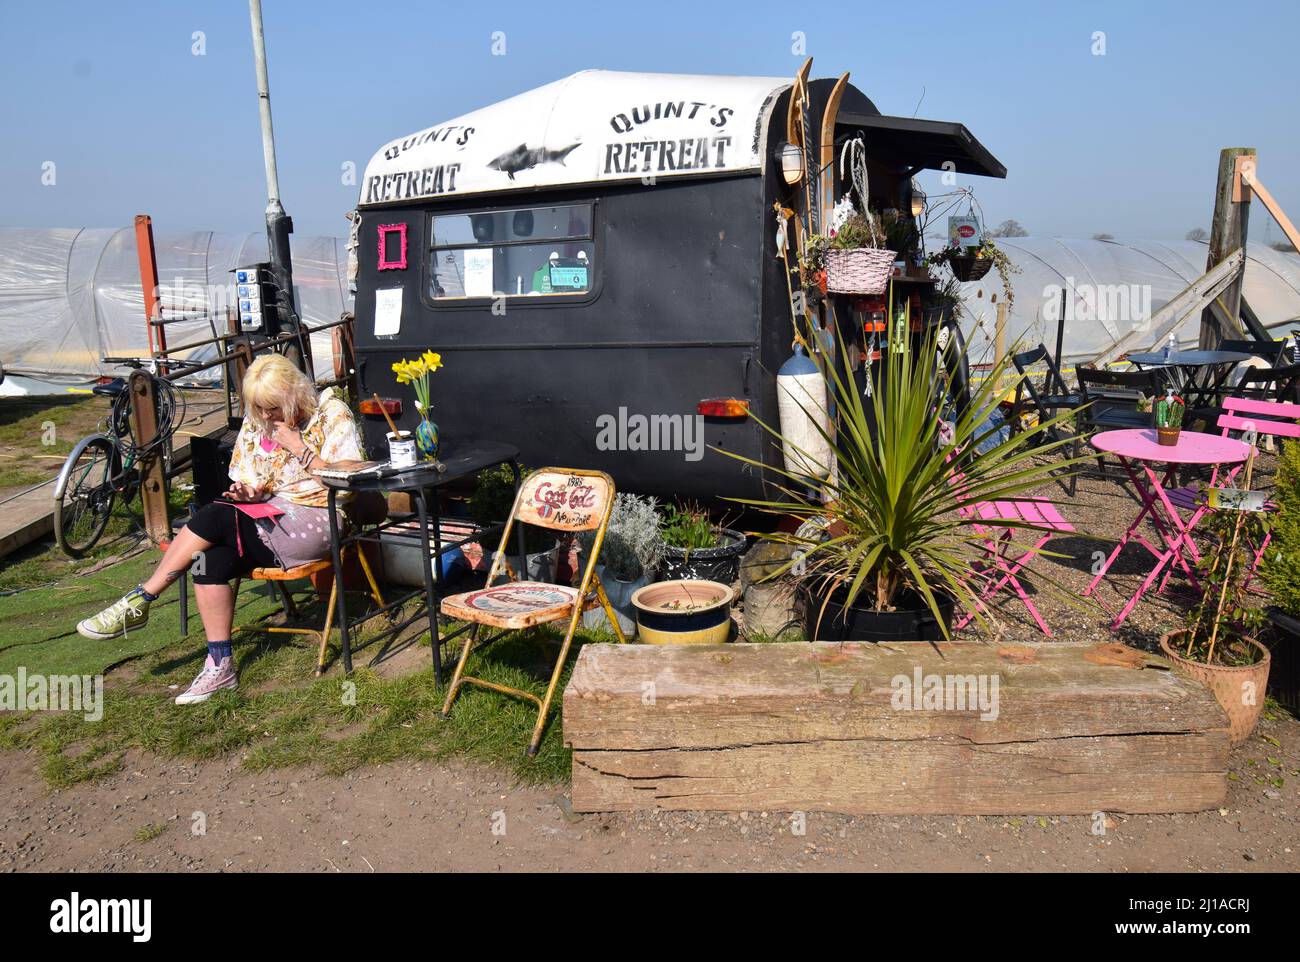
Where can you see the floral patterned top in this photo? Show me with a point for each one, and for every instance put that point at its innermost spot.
(331, 433)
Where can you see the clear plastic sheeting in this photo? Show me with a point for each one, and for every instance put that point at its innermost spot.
(70, 297)
(1111, 288)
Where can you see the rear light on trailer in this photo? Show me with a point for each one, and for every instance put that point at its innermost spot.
(391, 405)
(723, 407)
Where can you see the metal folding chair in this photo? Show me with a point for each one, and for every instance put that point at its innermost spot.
(561, 499)
(1266, 418)
(1111, 401)
(1045, 402)
(280, 578)
(986, 517)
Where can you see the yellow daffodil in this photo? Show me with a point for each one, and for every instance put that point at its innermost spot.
(416, 372)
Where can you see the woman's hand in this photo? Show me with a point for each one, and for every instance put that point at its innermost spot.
(244, 492)
(288, 436)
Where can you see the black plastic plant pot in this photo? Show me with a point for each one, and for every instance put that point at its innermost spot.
(1284, 676)
(970, 268)
(912, 621)
(721, 564)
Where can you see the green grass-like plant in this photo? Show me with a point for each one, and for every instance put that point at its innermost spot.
(890, 510)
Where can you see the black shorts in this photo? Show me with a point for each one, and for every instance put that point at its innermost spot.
(236, 548)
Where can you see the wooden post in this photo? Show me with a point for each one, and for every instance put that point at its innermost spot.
(148, 258)
(1000, 332)
(153, 489)
(1227, 234)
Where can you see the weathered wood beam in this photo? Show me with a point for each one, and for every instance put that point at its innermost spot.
(1228, 233)
(822, 727)
(1196, 296)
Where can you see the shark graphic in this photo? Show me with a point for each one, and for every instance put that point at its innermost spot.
(524, 157)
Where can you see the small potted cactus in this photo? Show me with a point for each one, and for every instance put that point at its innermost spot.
(1169, 418)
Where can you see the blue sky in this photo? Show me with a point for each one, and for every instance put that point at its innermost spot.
(1125, 143)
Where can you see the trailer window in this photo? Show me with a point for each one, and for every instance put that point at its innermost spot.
(525, 252)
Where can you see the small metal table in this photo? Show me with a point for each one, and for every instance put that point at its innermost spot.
(1198, 375)
(1137, 450)
(422, 483)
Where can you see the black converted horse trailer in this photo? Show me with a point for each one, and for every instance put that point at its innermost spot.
(595, 260)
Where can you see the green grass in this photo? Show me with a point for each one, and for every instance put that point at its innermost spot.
(281, 715)
(147, 833)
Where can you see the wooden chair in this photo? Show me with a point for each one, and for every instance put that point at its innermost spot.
(560, 499)
(281, 576)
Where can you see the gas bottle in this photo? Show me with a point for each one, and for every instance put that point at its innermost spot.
(801, 402)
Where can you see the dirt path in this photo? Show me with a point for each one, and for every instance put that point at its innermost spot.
(428, 817)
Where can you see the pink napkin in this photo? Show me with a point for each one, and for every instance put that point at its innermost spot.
(259, 509)
(269, 444)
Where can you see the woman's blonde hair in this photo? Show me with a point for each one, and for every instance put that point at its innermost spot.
(273, 382)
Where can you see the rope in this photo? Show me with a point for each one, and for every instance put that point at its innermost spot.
(853, 163)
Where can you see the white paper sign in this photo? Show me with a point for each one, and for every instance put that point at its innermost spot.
(963, 232)
(388, 311)
(1235, 499)
(478, 273)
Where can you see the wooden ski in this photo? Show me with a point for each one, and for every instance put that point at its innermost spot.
(827, 145)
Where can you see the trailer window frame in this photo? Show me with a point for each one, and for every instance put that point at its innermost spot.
(514, 301)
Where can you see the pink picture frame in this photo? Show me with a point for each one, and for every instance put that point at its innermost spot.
(384, 231)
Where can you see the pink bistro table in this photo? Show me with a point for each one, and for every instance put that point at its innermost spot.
(1137, 450)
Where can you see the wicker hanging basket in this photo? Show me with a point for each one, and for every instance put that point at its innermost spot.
(863, 270)
(970, 268)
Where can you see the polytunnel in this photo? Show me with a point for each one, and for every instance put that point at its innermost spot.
(72, 296)
(1112, 287)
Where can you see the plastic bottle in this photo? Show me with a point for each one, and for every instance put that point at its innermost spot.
(1170, 346)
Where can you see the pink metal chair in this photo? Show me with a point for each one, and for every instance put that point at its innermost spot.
(1279, 419)
(1030, 514)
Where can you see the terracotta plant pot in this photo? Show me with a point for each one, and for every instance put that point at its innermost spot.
(683, 613)
(1239, 691)
(1167, 436)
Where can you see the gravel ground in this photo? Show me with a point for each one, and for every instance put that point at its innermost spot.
(1102, 509)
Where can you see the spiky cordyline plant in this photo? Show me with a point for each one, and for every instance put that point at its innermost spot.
(892, 502)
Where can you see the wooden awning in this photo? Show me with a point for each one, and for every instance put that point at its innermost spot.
(907, 142)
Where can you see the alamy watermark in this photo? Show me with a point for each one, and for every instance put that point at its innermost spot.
(36, 692)
(922, 692)
(1130, 303)
(651, 432)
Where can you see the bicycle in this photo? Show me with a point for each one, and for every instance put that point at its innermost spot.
(109, 465)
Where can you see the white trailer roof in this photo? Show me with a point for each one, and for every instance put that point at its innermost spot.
(593, 126)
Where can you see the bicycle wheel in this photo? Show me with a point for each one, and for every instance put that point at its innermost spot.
(82, 510)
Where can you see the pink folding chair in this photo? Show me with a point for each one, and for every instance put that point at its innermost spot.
(1279, 419)
(986, 518)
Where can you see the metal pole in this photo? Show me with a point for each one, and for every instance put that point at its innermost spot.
(278, 224)
(1060, 340)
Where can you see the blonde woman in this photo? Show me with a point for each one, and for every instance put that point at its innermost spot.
(274, 513)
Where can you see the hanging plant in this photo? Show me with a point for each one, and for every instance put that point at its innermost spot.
(972, 263)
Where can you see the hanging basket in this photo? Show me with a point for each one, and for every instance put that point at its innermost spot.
(970, 268)
(863, 270)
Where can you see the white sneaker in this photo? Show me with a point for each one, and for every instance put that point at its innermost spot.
(212, 679)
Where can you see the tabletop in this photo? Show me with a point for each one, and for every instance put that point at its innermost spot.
(1193, 447)
(1189, 358)
(461, 460)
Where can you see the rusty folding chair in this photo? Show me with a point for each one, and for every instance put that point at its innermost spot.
(281, 576)
(560, 499)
